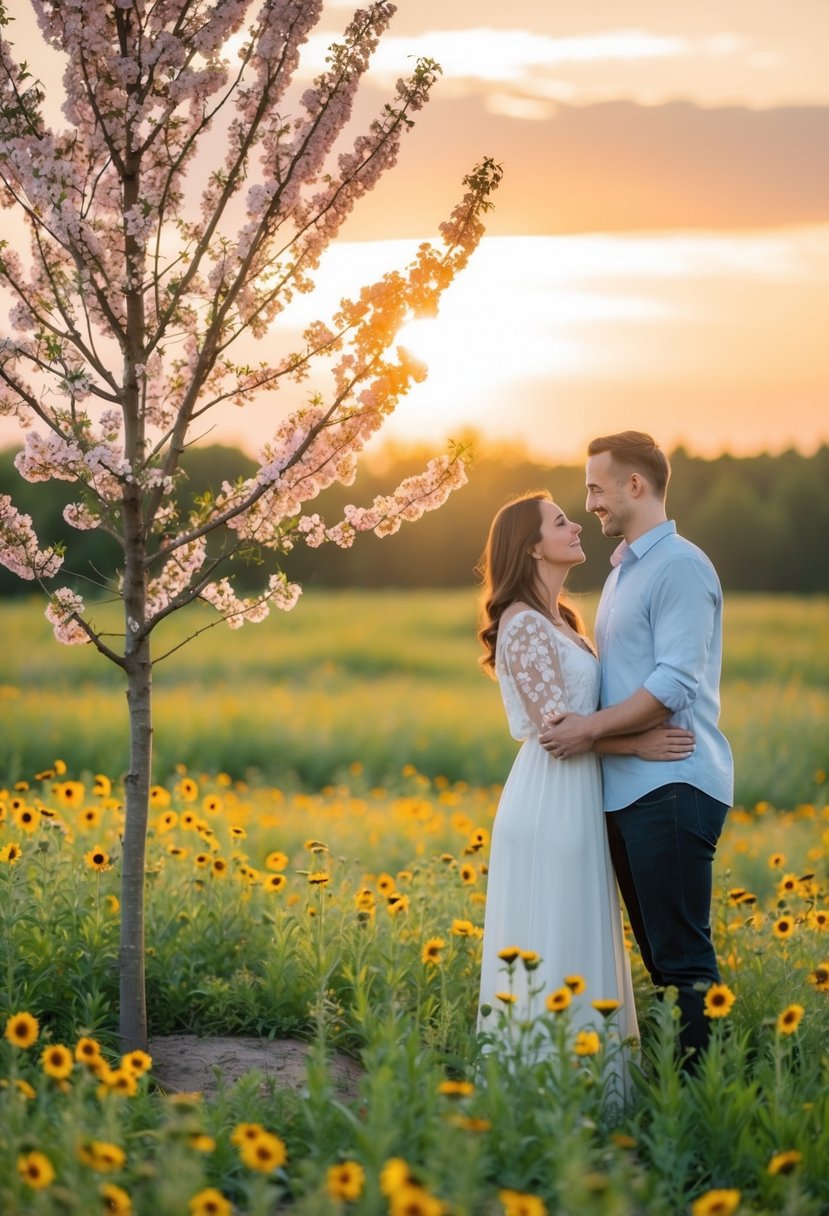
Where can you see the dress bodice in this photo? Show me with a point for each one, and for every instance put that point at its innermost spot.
(542, 671)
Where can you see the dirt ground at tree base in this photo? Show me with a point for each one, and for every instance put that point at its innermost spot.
(185, 1063)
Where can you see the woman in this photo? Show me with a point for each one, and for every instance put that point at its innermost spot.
(551, 888)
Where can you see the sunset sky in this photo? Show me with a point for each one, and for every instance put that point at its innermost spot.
(658, 256)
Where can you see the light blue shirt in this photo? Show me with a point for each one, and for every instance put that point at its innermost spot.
(659, 627)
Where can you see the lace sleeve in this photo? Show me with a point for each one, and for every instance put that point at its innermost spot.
(530, 658)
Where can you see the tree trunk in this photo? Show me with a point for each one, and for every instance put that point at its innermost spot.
(133, 1001)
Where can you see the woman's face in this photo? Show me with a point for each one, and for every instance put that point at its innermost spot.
(559, 544)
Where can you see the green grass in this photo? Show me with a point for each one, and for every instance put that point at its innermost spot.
(386, 678)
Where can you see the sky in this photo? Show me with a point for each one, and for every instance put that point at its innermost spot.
(658, 253)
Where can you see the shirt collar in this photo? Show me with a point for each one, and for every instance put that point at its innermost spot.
(647, 541)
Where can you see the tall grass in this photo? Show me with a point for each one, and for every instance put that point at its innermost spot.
(386, 678)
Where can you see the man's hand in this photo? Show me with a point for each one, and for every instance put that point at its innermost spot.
(567, 735)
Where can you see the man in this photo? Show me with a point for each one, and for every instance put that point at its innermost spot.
(659, 636)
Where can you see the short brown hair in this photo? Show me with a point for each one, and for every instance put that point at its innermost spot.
(636, 452)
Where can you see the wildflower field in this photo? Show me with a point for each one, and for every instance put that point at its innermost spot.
(349, 913)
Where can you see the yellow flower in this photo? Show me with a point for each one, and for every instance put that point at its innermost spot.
(137, 1062)
(11, 852)
(605, 1007)
(101, 1156)
(201, 1142)
(57, 1061)
(777, 861)
(517, 1204)
(211, 804)
(22, 1029)
(318, 878)
(530, 959)
(244, 1132)
(397, 904)
(456, 1089)
(27, 818)
(87, 1051)
(276, 861)
(718, 1001)
(345, 1181)
(210, 1202)
(97, 859)
(264, 1153)
(784, 1163)
(414, 1201)
(575, 983)
(219, 867)
(386, 884)
(783, 927)
(509, 998)
(274, 882)
(510, 954)
(188, 789)
(559, 1000)
(315, 846)
(159, 797)
(36, 1170)
(102, 787)
(463, 928)
(789, 1020)
(431, 950)
(394, 1175)
(115, 1200)
(70, 794)
(820, 977)
(716, 1203)
(587, 1043)
(120, 1081)
(469, 875)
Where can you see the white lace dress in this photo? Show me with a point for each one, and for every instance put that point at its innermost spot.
(551, 887)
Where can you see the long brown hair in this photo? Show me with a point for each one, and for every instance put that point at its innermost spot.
(507, 571)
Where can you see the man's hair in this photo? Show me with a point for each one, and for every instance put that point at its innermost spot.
(636, 452)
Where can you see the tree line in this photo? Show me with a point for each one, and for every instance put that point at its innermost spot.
(762, 519)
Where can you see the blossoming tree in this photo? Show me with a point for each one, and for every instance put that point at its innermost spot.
(188, 199)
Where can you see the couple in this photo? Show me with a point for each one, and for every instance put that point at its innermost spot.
(666, 766)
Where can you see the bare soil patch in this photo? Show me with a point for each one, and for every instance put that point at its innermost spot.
(185, 1063)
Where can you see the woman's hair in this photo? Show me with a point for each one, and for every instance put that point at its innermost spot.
(507, 571)
(636, 452)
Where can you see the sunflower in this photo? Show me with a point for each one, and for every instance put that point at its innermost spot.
(784, 1163)
(587, 1043)
(119, 1081)
(463, 928)
(212, 804)
(716, 1203)
(345, 1181)
(264, 1153)
(386, 885)
(517, 1204)
(456, 1089)
(394, 1175)
(777, 861)
(510, 954)
(238, 833)
(188, 789)
(115, 1200)
(414, 1201)
(22, 1029)
(219, 867)
(575, 983)
(531, 960)
(783, 927)
(11, 853)
(397, 904)
(820, 977)
(274, 882)
(90, 817)
(137, 1062)
(70, 794)
(819, 919)
(559, 1000)
(605, 1007)
(102, 1156)
(718, 1001)
(102, 787)
(201, 1142)
(431, 950)
(318, 878)
(244, 1132)
(87, 1051)
(57, 1061)
(210, 1202)
(98, 859)
(159, 797)
(508, 998)
(36, 1170)
(789, 1020)
(27, 818)
(469, 875)
(276, 860)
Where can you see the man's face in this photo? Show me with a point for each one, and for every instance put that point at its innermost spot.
(607, 494)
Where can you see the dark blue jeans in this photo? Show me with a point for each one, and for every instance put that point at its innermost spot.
(662, 848)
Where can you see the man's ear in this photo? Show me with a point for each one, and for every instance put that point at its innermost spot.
(638, 485)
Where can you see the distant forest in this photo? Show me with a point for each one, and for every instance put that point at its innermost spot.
(763, 520)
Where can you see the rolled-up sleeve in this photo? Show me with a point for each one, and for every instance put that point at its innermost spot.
(683, 609)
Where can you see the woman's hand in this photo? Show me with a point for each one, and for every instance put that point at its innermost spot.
(664, 743)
